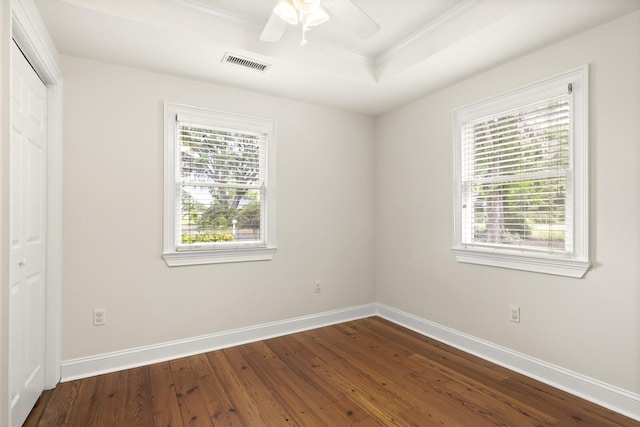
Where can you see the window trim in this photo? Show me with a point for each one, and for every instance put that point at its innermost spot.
(176, 254)
(570, 265)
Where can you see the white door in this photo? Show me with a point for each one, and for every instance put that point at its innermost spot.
(27, 238)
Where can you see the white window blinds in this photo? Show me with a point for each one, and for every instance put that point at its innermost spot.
(221, 184)
(516, 185)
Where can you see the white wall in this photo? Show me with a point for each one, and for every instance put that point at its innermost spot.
(590, 326)
(113, 177)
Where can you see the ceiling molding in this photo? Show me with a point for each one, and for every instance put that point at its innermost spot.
(425, 31)
(344, 54)
(228, 16)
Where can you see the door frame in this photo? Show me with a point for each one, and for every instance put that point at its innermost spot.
(32, 37)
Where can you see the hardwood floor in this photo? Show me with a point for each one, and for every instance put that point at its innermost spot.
(368, 372)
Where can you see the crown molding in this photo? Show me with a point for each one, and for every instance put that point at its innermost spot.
(425, 31)
(222, 14)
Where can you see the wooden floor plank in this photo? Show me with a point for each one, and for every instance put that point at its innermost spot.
(364, 356)
(64, 400)
(95, 402)
(113, 398)
(382, 370)
(260, 350)
(200, 365)
(301, 401)
(390, 335)
(346, 412)
(190, 398)
(221, 410)
(255, 389)
(480, 389)
(486, 409)
(139, 406)
(241, 402)
(367, 372)
(86, 402)
(164, 401)
(302, 364)
(38, 410)
(358, 385)
(569, 409)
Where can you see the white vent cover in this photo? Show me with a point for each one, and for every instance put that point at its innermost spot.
(230, 58)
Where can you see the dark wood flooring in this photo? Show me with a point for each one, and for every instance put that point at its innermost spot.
(368, 372)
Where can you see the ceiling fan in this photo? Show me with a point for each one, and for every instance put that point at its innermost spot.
(311, 13)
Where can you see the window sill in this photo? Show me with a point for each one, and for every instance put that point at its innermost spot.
(218, 256)
(536, 263)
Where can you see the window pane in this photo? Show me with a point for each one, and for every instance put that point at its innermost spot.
(528, 214)
(514, 171)
(530, 140)
(220, 215)
(219, 156)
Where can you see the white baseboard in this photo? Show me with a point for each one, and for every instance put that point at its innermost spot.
(118, 360)
(595, 391)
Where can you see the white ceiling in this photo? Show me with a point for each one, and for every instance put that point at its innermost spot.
(423, 45)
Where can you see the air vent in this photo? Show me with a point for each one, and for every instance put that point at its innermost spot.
(240, 61)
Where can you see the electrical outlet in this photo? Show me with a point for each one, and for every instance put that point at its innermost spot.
(99, 316)
(318, 288)
(514, 313)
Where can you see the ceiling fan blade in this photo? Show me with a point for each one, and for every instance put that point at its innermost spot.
(349, 13)
(274, 29)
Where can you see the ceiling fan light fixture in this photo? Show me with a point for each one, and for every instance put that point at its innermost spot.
(311, 13)
(316, 17)
(286, 11)
(306, 6)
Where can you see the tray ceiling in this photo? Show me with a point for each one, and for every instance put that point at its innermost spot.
(422, 45)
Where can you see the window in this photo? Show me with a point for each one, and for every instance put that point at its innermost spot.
(521, 178)
(219, 187)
